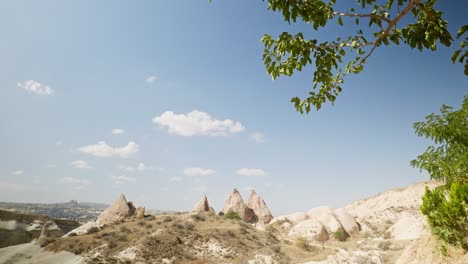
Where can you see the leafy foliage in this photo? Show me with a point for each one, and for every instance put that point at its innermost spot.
(334, 60)
(446, 207)
(448, 216)
(340, 235)
(232, 215)
(448, 160)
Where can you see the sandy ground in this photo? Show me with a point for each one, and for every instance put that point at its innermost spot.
(30, 253)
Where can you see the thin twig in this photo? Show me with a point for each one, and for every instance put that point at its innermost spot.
(362, 15)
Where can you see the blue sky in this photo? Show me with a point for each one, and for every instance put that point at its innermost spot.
(122, 64)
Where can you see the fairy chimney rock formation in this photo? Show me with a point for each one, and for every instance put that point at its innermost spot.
(235, 203)
(202, 205)
(119, 211)
(258, 205)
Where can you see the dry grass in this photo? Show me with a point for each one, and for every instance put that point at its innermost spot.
(186, 237)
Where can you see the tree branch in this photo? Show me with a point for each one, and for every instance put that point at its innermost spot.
(362, 15)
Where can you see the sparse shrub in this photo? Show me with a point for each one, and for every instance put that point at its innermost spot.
(149, 226)
(276, 248)
(72, 234)
(230, 233)
(301, 242)
(340, 235)
(150, 217)
(189, 226)
(111, 244)
(232, 215)
(387, 235)
(93, 230)
(167, 219)
(243, 231)
(198, 217)
(125, 229)
(141, 223)
(385, 245)
(443, 250)
(283, 220)
(322, 237)
(221, 214)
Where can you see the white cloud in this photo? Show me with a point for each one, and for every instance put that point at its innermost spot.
(175, 179)
(151, 79)
(198, 172)
(117, 131)
(59, 143)
(197, 123)
(258, 137)
(139, 167)
(80, 164)
(35, 87)
(78, 183)
(17, 172)
(251, 172)
(123, 179)
(101, 149)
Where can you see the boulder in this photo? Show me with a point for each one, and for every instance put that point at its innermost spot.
(294, 218)
(258, 205)
(202, 205)
(311, 229)
(140, 212)
(119, 211)
(316, 212)
(347, 221)
(212, 210)
(408, 227)
(235, 203)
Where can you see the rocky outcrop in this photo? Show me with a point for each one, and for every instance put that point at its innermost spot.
(347, 221)
(387, 207)
(18, 228)
(311, 229)
(293, 218)
(202, 205)
(258, 205)
(119, 211)
(408, 227)
(140, 212)
(235, 203)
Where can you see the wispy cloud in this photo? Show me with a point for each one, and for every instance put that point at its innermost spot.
(35, 87)
(197, 123)
(17, 172)
(258, 137)
(80, 164)
(191, 172)
(101, 149)
(16, 187)
(175, 179)
(122, 179)
(118, 131)
(139, 167)
(151, 79)
(78, 183)
(251, 172)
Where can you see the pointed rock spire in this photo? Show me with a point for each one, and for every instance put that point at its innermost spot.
(202, 205)
(259, 207)
(119, 211)
(235, 203)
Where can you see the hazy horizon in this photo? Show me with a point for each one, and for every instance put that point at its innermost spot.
(167, 100)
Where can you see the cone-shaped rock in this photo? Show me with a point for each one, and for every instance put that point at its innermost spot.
(117, 212)
(235, 203)
(259, 207)
(202, 205)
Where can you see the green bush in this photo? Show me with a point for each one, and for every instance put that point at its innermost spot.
(93, 229)
(446, 161)
(446, 212)
(340, 235)
(232, 215)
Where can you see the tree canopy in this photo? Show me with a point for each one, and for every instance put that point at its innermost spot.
(378, 22)
(446, 207)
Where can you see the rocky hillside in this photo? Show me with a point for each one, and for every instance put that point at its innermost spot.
(385, 228)
(22, 228)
